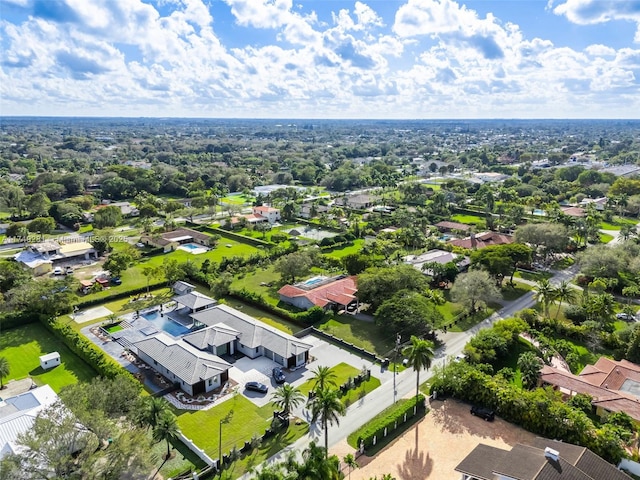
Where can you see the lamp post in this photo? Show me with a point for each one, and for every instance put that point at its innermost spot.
(395, 366)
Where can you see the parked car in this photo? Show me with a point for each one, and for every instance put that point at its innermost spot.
(485, 413)
(116, 281)
(68, 271)
(351, 308)
(58, 271)
(256, 387)
(278, 375)
(625, 316)
(460, 357)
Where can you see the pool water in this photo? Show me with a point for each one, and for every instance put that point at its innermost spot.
(191, 246)
(313, 281)
(172, 328)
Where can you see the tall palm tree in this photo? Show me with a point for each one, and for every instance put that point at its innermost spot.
(166, 429)
(323, 377)
(151, 410)
(545, 294)
(564, 292)
(326, 407)
(350, 461)
(287, 397)
(5, 369)
(530, 366)
(318, 465)
(419, 353)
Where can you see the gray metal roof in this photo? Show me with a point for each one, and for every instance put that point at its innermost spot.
(213, 336)
(253, 333)
(183, 360)
(194, 300)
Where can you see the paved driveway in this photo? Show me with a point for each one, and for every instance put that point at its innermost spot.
(431, 449)
(257, 370)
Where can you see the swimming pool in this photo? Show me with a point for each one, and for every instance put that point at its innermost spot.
(165, 323)
(190, 246)
(314, 280)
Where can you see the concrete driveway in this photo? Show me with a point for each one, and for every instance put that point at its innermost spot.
(432, 448)
(257, 370)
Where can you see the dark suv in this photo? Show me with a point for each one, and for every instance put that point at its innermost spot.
(483, 412)
(278, 375)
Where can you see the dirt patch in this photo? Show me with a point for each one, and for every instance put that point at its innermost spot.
(433, 447)
(16, 387)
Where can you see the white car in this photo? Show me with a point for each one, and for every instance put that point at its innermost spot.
(625, 316)
(58, 271)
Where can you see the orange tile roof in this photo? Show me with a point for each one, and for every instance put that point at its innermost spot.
(341, 292)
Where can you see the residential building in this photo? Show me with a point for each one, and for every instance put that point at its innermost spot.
(447, 226)
(323, 292)
(438, 256)
(357, 202)
(271, 214)
(169, 241)
(227, 331)
(307, 209)
(126, 208)
(613, 385)
(18, 414)
(482, 240)
(545, 460)
(599, 203)
(573, 211)
(196, 371)
(39, 258)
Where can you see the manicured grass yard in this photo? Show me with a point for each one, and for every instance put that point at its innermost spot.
(343, 372)
(510, 293)
(617, 223)
(183, 459)
(533, 276)
(340, 252)
(236, 199)
(363, 334)
(23, 345)
(245, 420)
(468, 219)
(605, 238)
(257, 280)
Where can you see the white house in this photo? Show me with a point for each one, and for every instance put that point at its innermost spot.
(271, 214)
(50, 360)
(39, 257)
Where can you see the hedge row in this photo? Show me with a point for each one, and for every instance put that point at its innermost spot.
(390, 419)
(17, 319)
(117, 296)
(308, 317)
(87, 351)
(235, 236)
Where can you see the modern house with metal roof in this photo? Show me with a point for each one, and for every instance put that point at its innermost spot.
(545, 460)
(18, 414)
(196, 371)
(227, 330)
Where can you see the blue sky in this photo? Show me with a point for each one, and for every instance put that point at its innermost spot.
(321, 58)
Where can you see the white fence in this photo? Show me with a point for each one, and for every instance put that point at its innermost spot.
(200, 453)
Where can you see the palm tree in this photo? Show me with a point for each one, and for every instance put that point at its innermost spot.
(287, 397)
(153, 408)
(326, 407)
(530, 366)
(350, 461)
(5, 369)
(419, 353)
(166, 429)
(564, 292)
(318, 465)
(545, 294)
(323, 377)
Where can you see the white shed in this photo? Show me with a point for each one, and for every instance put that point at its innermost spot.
(50, 360)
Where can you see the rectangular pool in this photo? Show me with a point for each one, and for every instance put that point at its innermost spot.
(165, 323)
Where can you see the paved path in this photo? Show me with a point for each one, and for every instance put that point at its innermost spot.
(363, 410)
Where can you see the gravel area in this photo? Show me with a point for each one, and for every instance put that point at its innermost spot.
(432, 448)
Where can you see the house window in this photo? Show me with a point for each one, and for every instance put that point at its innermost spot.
(210, 382)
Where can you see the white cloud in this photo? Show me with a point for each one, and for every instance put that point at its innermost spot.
(591, 12)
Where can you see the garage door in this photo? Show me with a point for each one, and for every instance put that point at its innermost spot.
(279, 359)
(268, 353)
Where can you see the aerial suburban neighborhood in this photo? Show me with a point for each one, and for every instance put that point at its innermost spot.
(219, 315)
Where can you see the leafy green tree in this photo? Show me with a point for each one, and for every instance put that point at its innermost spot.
(326, 407)
(287, 397)
(43, 225)
(118, 262)
(545, 294)
(12, 275)
(356, 263)
(109, 216)
(530, 366)
(582, 401)
(5, 370)
(151, 271)
(377, 284)
(151, 410)
(474, 288)
(294, 265)
(38, 204)
(408, 312)
(420, 354)
(17, 230)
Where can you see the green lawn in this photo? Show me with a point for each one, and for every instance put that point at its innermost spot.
(510, 293)
(340, 252)
(244, 420)
(183, 459)
(468, 219)
(236, 200)
(363, 334)
(605, 238)
(121, 306)
(617, 223)
(257, 281)
(22, 346)
(343, 372)
(533, 276)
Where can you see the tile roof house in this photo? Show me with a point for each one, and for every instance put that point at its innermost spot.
(18, 414)
(323, 292)
(228, 330)
(545, 460)
(169, 241)
(613, 385)
(438, 256)
(481, 240)
(446, 226)
(599, 203)
(271, 214)
(196, 371)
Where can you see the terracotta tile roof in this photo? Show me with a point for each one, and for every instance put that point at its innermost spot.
(446, 225)
(573, 211)
(482, 240)
(341, 291)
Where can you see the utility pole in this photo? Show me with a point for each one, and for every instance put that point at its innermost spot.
(395, 366)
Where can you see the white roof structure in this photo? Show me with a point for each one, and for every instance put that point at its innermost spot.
(194, 300)
(18, 414)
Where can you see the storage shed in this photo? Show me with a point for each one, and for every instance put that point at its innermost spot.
(50, 360)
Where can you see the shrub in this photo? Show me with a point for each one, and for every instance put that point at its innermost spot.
(389, 418)
(575, 313)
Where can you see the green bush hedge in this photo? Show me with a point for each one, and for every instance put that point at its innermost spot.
(87, 351)
(17, 319)
(117, 296)
(308, 317)
(388, 419)
(236, 236)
